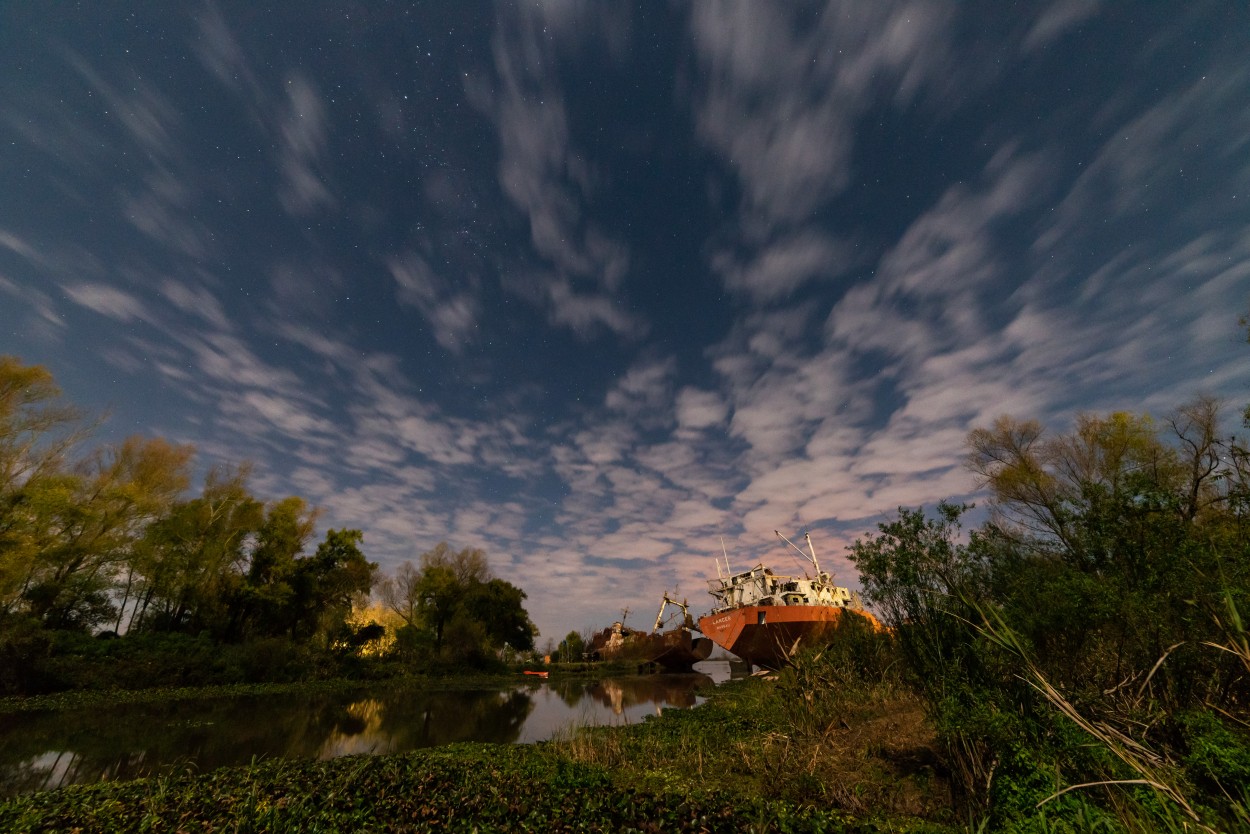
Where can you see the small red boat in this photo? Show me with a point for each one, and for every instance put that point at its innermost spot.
(537, 674)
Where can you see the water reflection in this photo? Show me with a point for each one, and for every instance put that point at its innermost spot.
(658, 690)
(39, 751)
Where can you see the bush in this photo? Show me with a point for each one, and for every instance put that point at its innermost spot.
(1217, 758)
(24, 649)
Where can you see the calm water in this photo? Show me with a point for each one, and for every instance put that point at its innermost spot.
(40, 751)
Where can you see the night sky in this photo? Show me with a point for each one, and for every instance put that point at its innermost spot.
(590, 285)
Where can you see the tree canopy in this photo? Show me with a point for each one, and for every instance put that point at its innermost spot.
(454, 610)
(1098, 609)
(110, 538)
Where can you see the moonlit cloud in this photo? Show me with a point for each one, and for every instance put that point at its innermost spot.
(107, 301)
(700, 409)
(780, 268)
(781, 95)
(593, 287)
(547, 179)
(452, 315)
(303, 134)
(1056, 18)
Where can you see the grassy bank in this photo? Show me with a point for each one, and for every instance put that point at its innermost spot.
(865, 752)
(461, 788)
(726, 766)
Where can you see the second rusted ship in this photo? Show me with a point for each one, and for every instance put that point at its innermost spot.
(676, 649)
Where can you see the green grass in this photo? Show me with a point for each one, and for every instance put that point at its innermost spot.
(463, 788)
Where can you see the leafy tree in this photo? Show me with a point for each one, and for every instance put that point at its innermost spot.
(37, 432)
(328, 583)
(499, 607)
(451, 603)
(1086, 610)
(188, 566)
(93, 527)
(571, 647)
(263, 603)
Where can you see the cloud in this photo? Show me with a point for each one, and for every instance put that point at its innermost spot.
(645, 392)
(302, 130)
(545, 177)
(293, 119)
(1057, 18)
(931, 288)
(1190, 143)
(583, 313)
(781, 97)
(452, 314)
(286, 414)
(196, 300)
(108, 301)
(698, 409)
(163, 211)
(149, 119)
(778, 269)
(221, 54)
(19, 246)
(161, 206)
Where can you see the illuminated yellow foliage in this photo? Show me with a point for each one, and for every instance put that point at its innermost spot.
(371, 611)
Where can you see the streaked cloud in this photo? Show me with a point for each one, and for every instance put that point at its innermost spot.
(107, 301)
(452, 313)
(593, 287)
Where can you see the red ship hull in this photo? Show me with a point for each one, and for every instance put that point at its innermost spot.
(763, 635)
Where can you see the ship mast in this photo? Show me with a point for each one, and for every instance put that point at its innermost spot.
(811, 558)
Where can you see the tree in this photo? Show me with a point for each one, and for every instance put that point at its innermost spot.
(451, 602)
(328, 583)
(188, 565)
(499, 607)
(37, 432)
(401, 593)
(263, 603)
(1116, 553)
(571, 647)
(920, 580)
(99, 514)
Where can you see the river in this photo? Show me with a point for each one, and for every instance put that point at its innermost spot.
(46, 750)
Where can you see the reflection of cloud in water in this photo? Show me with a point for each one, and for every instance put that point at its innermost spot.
(48, 770)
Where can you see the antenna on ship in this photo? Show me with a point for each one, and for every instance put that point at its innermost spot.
(728, 571)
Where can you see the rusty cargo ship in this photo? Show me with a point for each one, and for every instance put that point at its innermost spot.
(761, 616)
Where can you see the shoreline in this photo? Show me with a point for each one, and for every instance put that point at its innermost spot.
(683, 770)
